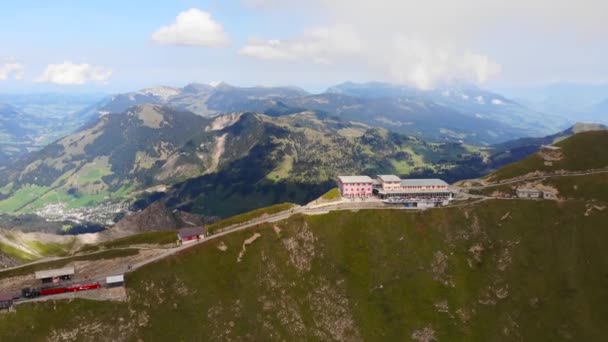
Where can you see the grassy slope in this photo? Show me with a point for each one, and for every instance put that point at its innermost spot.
(376, 275)
(571, 187)
(249, 216)
(583, 151)
(37, 249)
(331, 195)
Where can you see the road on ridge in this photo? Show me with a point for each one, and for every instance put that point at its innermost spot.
(571, 174)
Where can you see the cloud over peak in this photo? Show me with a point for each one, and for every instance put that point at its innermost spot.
(68, 73)
(192, 28)
(321, 45)
(392, 57)
(12, 70)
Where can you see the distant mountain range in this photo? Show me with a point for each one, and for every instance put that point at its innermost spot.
(30, 121)
(578, 102)
(451, 113)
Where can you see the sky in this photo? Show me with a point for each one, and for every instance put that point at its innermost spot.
(117, 46)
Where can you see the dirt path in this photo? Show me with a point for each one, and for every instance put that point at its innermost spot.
(98, 268)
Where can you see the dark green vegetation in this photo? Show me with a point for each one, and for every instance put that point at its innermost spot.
(458, 274)
(274, 209)
(581, 152)
(581, 187)
(106, 160)
(244, 160)
(110, 254)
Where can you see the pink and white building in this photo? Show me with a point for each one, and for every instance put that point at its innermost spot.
(355, 186)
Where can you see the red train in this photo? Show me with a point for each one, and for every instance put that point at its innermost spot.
(33, 292)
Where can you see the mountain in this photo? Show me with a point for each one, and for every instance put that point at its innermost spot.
(202, 99)
(512, 151)
(579, 152)
(576, 102)
(492, 270)
(466, 99)
(247, 160)
(451, 113)
(105, 160)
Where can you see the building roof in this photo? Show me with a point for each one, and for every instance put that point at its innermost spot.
(423, 182)
(355, 179)
(191, 231)
(69, 270)
(389, 178)
(115, 279)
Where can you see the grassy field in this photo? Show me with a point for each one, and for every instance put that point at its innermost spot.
(111, 254)
(331, 195)
(249, 216)
(582, 187)
(497, 271)
(583, 151)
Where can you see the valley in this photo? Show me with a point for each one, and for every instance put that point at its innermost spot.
(475, 269)
(265, 170)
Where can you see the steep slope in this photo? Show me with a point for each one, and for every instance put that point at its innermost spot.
(458, 274)
(490, 270)
(512, 151)
(580, 152)
(296, 158)
(106, 160)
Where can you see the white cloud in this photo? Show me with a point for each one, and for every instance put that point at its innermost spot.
(393, 57)
(429, 42)
(70, 73)
(415, 62)
(322, 45)
(192, 28)
(12, 70)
